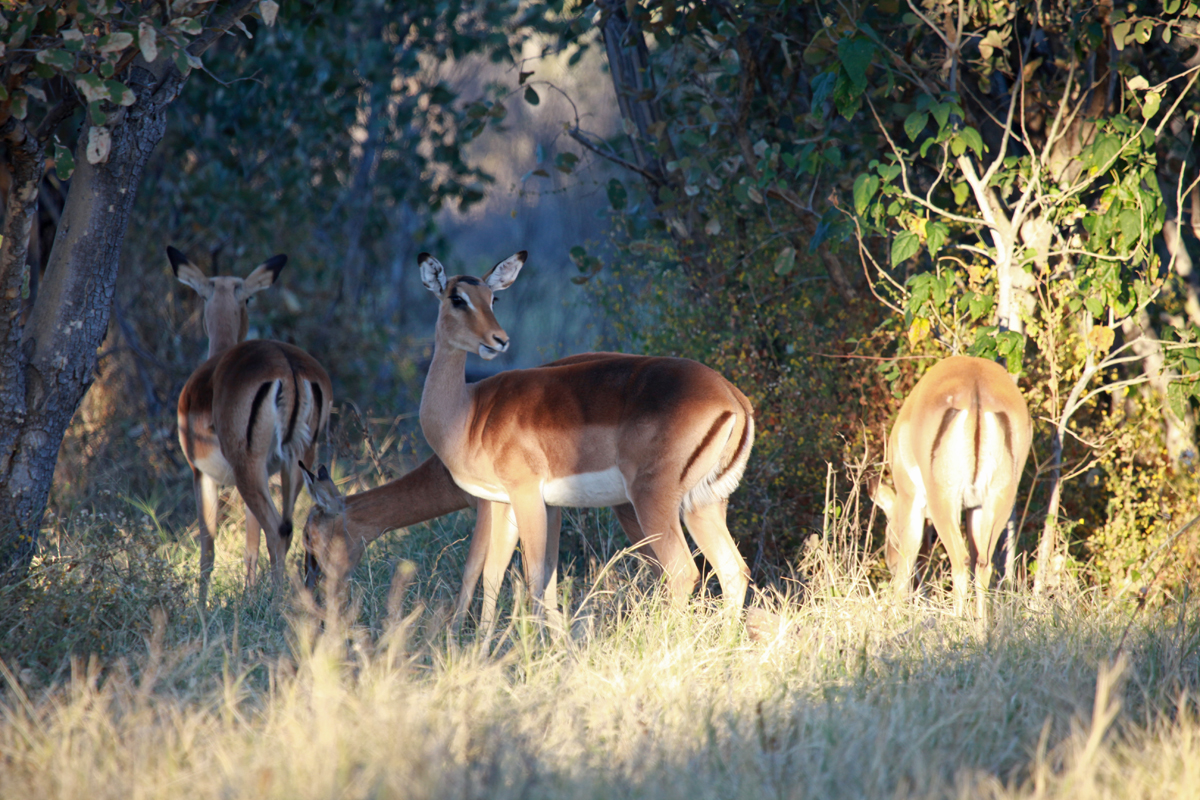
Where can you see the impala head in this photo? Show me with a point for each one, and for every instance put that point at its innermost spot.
(465, 318)
(226, 319)
(884, 496)
(328, 546)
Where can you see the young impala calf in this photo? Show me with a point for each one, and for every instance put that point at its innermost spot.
(250, 410)
(668, 435)
(959, 445)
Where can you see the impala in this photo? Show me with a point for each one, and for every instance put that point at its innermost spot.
(252, 409)
(667, 435)
(339, 528)
(959, 445)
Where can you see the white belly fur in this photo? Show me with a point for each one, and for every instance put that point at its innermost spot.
(586, 490)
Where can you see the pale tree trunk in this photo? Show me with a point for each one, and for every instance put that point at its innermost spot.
(47, 361)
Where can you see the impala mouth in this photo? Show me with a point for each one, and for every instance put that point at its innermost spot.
(488, 353)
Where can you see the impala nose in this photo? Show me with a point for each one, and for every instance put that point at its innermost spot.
(501, 343)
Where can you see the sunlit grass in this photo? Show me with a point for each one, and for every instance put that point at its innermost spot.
(845, 693)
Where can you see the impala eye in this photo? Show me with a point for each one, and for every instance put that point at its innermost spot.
(458, 301)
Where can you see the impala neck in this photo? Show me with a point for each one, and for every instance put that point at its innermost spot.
(223, 332)
(423, 494)
(445, 401)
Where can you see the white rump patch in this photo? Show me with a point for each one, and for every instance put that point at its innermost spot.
(215, 466)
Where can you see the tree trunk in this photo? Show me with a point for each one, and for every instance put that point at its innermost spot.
(27, 159)
(49, 364)
(47, 361)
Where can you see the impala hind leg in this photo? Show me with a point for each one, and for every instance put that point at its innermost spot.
(207, 505)
(947, 520)
(628, 520)
(988, 524)
(291, 480)
(253, 535)
(658, 518)
(255, 491)
(707, 526)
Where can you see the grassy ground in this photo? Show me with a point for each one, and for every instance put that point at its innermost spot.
(114, 685)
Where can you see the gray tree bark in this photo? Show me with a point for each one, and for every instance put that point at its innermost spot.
(48, 360)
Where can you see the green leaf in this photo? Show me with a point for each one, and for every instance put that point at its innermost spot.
(914, 123)
(121, 94)
(1179, 396)
(1131, 225)
(1150, 105)
(64, 162)
(935, 236)
(617, 196)
(785, 261)
(905, 246)
(56, 58)
(855, 55)
(865, 187)
(96, 114)
(973, 140)
(941, 114)
(114, 42)
(531, 96)
(961, 192)
(1143, 30)
(1119, 32)
(1105, 150)
(1094, 305)
(189, 25)
(92, 88)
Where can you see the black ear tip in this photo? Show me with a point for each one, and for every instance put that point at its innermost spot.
(422, 257)
(524, 254)
(176, 258)
(276, 263)
(322, 473)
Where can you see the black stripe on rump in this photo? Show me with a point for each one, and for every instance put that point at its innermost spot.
(708, 437)
(259, 396)
(947, 419)
(291, 428)
(319, 400)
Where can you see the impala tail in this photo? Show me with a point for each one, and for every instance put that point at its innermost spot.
(736, 434)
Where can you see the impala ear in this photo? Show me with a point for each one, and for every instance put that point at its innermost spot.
(433, 274)
(324, 493)
(263, 276)
(503, 274)
(189, 274)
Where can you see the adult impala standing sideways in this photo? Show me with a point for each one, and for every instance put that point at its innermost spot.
(959, 445)
(250, 410)
(668, 435)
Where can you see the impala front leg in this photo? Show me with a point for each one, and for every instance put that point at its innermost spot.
(530, 511)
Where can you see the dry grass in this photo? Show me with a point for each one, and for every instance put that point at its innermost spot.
(851, 695)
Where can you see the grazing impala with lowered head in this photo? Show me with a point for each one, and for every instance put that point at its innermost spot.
(958, 447)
